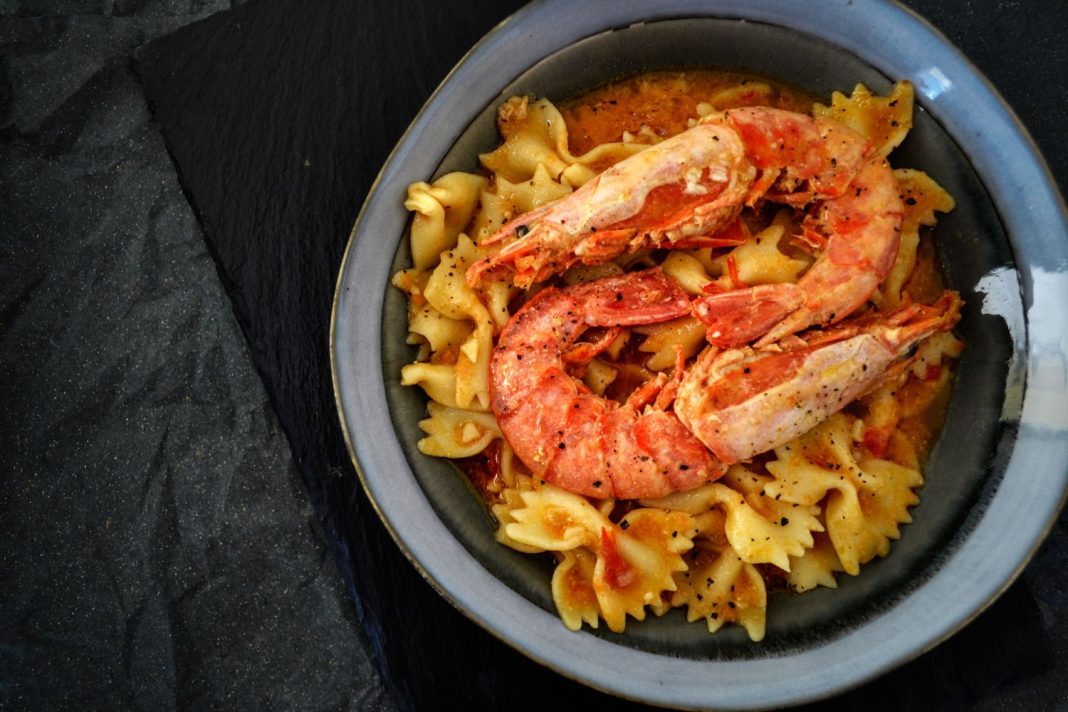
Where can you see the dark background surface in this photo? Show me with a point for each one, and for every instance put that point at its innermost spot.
(165, 281)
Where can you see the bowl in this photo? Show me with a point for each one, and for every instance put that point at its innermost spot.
(996, 478)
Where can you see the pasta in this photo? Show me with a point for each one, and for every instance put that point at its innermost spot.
(820, 505)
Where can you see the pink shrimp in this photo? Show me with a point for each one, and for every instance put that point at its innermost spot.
(564, 433)
(861, 231)
(742, 402)
(685, 191)
(671, 194)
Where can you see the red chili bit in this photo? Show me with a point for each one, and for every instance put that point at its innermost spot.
(617, 572)
(877, 441)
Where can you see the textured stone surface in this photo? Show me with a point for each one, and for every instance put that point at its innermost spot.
(157, 547)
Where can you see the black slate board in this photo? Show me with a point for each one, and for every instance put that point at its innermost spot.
(278, 115)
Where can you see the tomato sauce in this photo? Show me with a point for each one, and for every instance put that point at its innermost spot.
(666, 102)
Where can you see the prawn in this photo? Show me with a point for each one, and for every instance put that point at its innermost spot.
(862, 233)
(744, 401)
(689, 190)
(571, 437)
(673, 193)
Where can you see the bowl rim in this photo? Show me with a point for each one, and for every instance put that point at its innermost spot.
(898, 43)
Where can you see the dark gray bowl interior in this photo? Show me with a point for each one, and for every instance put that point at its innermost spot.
(963, 470)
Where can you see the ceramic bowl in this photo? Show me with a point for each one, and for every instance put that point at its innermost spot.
(995, 480)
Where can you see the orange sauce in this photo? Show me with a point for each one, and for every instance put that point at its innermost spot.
(665, 102)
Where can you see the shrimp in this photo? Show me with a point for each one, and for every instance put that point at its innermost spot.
(673, 193)
(567, 435)
(689, 190)
(862, 227)
(742, 402)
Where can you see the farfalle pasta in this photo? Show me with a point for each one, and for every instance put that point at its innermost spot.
(790, 519)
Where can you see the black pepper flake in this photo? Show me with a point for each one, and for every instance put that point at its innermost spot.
(910, 201)
(746, 369)
(674, 535)
(714, 616)
(596, 483)
(619, 296)
(561, 446)
(731, 604)
(522, 230)
(683, 466)
(624, 525)
(783, 522)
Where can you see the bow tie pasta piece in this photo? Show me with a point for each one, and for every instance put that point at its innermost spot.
(865, 501)
(817, 567)
(440, 211)
(573, 591)
(922, 197)
(442, 334)
(751, 94)
(448, 293)
(758, 528)
(719, 586)
(648, 546)
(509, 500)
(526, 195)
(456, 433)
(535, 134)
(883, 120)
(760, 260)
(862, 521)
(634, 561)
(661, 341)
(553, 519)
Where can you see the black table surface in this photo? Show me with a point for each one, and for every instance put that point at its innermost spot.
(179, 524)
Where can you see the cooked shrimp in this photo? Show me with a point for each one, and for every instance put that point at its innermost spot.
(860, 230)
(671, 194)
(742, 402)
(571, 437)
(685, 190)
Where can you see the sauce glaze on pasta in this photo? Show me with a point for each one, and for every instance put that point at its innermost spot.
(796, 517)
